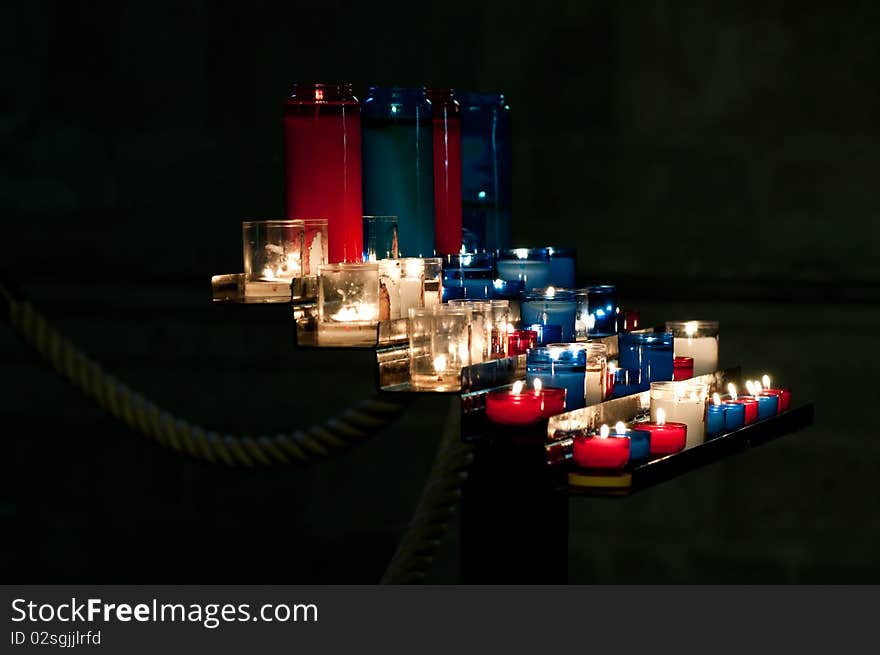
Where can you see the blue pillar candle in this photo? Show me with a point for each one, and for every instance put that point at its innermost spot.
(531, 265)
(559, 367)
(714, 420)
(562, 266)
(550, 306)
(597, 310)
(734, 416)
(547, 334)
(767, 406)
(639, 442)
(644, 357)
(470, 272)
(398, 164)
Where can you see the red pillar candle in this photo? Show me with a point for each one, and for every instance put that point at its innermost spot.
(601, 451)
(514, 407)
(682, 368)
(783, 395)
(447, 171)
(322, 164)
(520, 341)
(666, 438)
(553, 400)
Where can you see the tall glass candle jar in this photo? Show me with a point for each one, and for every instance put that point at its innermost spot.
(530, 265)
(272, 252)
(509, 290)
(481, 327)
(500, 327)
(348, 304)
(561, 367)
(550, 306)
(389, 289)
(468, 276)
(315, 245)
(398, 163)
(439, 346)
(596, 372)
(562, 266)
(447, 171)
(643, 358)
(322, 163)
(433, 281)
(412, 284)
(697, 339)
(597, 310)
(486, 182)
(682, 402)
(380, 238)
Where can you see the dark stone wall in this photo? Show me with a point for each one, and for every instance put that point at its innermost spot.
(710, 159)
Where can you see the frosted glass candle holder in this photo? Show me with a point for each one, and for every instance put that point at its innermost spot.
(696, 339)
(439, 346)
(412, 284)
(348, 304)
(272, 253)
(682, 402)
(389, 289)
(481, 327)
(314, 245)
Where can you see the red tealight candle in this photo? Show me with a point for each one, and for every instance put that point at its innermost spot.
(601, 451)
(682, 368)
(783, 396)
(519, 341)
(751, 404)
(666, 438)
(553, 400)
(514, 407)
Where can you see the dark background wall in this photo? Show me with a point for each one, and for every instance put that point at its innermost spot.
(715, 161)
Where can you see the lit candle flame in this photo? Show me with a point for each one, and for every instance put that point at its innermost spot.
(716, 399)
(731, 389)
(521, 253)
(620, 428)
(518, 386)
(750, 387)
(766, 380)
(440, 363)
(690, 328)
(550, 292)
(538, 385)
(758, 388)
(612, 368)
(604, 431)
(359, 312)
(661, 416)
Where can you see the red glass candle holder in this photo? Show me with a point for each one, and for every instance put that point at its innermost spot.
(520, 341)
(609, 382)
(751, 405)
(682, 368)
(666, 438)
(783, 397)
(507, 408)
(631, 320)
(594, 452)
(553, 401)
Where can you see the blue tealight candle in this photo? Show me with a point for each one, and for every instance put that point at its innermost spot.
(734, 416)
(559, 367)
(639, 442)
(767, 406)
(547, 334)
(550, 306)
(714, 420)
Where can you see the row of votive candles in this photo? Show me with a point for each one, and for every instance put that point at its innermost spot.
(679, 420)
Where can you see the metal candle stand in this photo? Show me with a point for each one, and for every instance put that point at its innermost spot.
(515, 501)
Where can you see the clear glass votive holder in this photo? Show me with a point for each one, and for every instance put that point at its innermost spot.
(682, 402)
(500, 313)
(563, 266)
(433, 280)
(644, 357)
(597, 311)
(550, 306)
(314, 246)
(439, 346)
(511, 291)
(697, 339)
(348, 304)
(529, 265)
(272, 253)
(468, 276)
(389, 289)
(481, 327)
(380, 238)
(412, 284)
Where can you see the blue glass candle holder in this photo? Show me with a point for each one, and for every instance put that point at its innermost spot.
(547, 334)
(562, 266)
(550, 306)
(767, 406)
(486, 179)
(398, 163)
(639, 444)
(530, 265)
(469, 276)
(644, 357)
(559, 367)
(734, 416)
(714, 420)
(597, 310)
